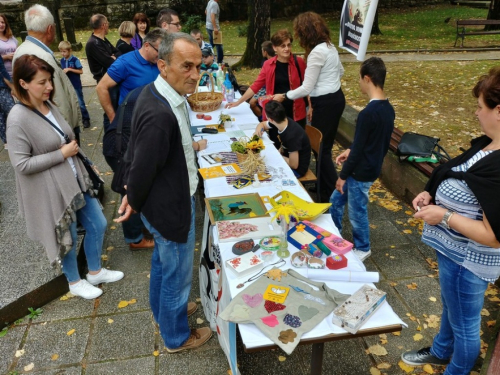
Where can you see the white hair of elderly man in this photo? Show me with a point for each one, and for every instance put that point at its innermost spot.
(38, 18)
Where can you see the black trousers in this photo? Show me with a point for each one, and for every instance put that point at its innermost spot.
(327, 111)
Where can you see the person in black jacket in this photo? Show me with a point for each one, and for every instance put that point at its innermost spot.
(363, 160)
(101, 54)
(161, 179)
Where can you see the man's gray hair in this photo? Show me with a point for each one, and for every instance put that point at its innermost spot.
(37, 18)
(166, 49)
(97, 20)
(154, 35)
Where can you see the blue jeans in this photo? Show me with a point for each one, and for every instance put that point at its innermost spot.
(81, 101)
(462, 294)
(356, 197)
(94, 222)
(220, 50)
(170, 284)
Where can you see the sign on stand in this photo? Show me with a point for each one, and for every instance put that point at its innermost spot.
(356, 23)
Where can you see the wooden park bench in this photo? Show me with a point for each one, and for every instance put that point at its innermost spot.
(424, 167)
(462, 31)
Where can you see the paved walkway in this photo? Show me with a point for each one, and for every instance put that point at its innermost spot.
(108, 339)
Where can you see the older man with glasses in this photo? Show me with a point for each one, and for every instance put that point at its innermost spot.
(168, 20)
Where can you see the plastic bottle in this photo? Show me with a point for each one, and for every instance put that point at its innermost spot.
(219, 78)
(228, 89)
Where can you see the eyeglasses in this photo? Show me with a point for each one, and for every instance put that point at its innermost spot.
(176, 24)
(153, 47)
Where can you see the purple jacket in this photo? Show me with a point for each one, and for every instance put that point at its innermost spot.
(136, 41)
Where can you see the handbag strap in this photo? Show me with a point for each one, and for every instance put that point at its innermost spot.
(298, 68)
(67, 139)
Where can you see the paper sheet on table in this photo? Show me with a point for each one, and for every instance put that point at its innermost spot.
(339, 275)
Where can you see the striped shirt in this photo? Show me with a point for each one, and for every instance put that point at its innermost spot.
(179, 107)
(455, 195)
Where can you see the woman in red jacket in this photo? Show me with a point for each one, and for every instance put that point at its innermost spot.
(279, 74)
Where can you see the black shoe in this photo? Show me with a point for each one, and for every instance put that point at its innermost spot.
(422, 357)
(86, 124)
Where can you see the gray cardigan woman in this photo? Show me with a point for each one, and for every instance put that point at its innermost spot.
(52, 183)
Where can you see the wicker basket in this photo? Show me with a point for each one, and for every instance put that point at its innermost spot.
(205, 101)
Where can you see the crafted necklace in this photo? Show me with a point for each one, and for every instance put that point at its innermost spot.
(280, 262)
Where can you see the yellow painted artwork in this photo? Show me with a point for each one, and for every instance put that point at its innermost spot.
(276, 293)
(220, 171)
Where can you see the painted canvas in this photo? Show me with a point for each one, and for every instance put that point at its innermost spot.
(233, 207)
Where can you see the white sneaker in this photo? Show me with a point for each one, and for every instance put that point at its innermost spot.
(85, 290)
(105, 276)
(362, 255)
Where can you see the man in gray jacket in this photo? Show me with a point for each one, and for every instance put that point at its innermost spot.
(41, 33)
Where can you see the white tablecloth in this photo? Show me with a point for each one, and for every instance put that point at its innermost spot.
(251, 335)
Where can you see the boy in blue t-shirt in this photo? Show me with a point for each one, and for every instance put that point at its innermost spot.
(208, 65)
(362, 162)
(73, 68)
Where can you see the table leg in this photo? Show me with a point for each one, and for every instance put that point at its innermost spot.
(317, 358)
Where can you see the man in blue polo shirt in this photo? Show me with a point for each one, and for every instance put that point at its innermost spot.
(130, 71)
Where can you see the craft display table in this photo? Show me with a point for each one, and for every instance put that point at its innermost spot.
(384, 320)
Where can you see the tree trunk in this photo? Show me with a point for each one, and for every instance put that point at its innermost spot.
(493, 14)
(259, 30)
(375, 28)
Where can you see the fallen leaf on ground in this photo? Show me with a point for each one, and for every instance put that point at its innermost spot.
(428, 369)
(67, 296)
(377, 350)
(198, 299)
(374, 371)
(491, 291)
(110, 248)
(19, 353)
(494, 299)
(396, 333)
(104, 257)
(156, 353)
(408, 212)
(71, 331)
(485, 312)
(282, 358)
(407, 231)
(392, 283)
(122, 304)
(112, 227)
(433, 299)
(384, 366)
(433, 321)
(132, 301)
(406, 368)
(29, 367)
(412, 286)
(199, 321)
(491, 323)
(417, 337)
(54, 357)
(393, 247)
(110, 320)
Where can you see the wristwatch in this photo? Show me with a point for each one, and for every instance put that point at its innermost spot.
(446, 219)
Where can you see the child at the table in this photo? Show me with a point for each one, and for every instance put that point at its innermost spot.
(208, 65)
(295, 146)
(363, 160)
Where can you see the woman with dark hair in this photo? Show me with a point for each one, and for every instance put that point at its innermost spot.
(53, 187)
(142, 24)
(280, 73)
(461, 211)
(8, 44)
(322, 84)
